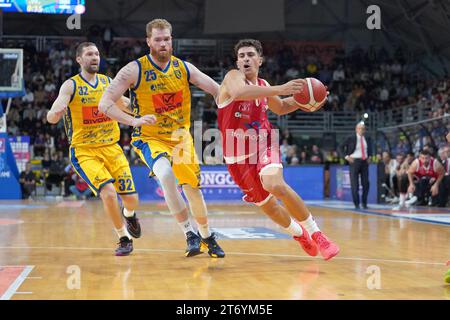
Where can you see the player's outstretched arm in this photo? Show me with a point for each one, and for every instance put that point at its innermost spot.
(126, 77)
(202, 80)
(59, 107)
(234, 82)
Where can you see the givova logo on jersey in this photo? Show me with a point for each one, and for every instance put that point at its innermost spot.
(165, 102)
(91, 115)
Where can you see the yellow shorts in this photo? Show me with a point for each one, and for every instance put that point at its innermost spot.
(101, 165)
(184, 160)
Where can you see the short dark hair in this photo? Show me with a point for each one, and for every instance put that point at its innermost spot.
(425, 152)
(249, 43)
(83, 45)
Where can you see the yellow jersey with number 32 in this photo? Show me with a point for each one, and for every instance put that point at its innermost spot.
(164, 93)
(85, 125)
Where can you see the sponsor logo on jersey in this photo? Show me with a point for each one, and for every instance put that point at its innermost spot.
(88, 100)
(157, 86)
(91, 115)
(166, 102)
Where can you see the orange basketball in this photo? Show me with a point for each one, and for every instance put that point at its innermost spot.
(313, 96)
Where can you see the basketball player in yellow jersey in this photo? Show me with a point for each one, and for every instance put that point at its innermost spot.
(94, 152)
(159, 84)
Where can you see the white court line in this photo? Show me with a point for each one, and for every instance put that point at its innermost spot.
(16, 284)
(241, 254)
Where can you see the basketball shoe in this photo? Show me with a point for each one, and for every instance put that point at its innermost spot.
(327, 248)
(125, 247)
(307, 243)
(210, 243)
(193, 244)
(133, 225)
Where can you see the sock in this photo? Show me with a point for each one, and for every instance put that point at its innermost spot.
(127, 213)
(204, 230)
(294, 229)
(186, 226)
(310, 225)
(402, 199)
(123, 232)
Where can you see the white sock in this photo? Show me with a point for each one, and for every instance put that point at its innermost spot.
(310, 225)
(402, 199)
(123, 232)
(204, 230)
(127, 213)
(186, 226)
(294, 229)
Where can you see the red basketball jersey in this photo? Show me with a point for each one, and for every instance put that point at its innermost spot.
(245, 127)
(426, 171)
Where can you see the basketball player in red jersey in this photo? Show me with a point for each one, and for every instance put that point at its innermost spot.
(243, 101)
(428, 173)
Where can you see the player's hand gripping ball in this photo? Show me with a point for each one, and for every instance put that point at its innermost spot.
(312, 97)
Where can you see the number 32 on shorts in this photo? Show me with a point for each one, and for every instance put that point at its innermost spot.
(125, 185)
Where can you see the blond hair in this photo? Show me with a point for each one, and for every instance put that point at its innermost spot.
(157, 24)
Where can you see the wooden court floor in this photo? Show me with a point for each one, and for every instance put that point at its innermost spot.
(64, 250)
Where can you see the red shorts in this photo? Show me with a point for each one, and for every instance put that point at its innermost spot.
(247, 175)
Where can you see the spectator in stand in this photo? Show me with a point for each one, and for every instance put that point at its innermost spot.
(316, 156)
(13, 129)
(39, 145)
(40, 95)
(56, 172)
(27, 181)
(287, 135)
(80, 189)
(29, 96)
(291, 154)
(339, 74)
(303, 157)
(284, 150)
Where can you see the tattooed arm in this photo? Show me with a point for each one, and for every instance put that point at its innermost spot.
(126, 78)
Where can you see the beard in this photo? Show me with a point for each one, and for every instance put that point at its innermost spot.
(162, 56)
(92, 68)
